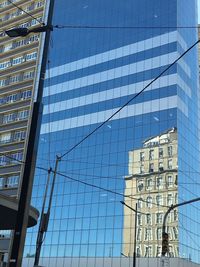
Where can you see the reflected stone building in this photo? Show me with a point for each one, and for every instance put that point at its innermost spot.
(153, 180)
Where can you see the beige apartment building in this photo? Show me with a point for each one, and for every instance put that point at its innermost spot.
(18, 69)
(152, 182)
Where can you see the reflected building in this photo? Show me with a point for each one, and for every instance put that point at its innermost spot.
(153, 183)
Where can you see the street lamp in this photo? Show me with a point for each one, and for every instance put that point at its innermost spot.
(165, 237)
(21, 32)
(134, 249)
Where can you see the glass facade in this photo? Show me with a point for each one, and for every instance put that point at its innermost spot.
(148, 152)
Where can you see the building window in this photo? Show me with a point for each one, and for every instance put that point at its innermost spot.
(148, 234)
(151, 167)
(5, 138)
(26, 94)
(176, 198)
(151, 154)
(159, 217)
(149, 202)
(12, 181)
(28, 75)
(23, 114)
(170, 181)
(2, 100)
(149, 184)
(9, 118)
(148, 218)
(11, 98)
(17, 60)
(148, 251)
(139, 234)
(176, 180)
(159, 233)
(2, 182)
(140, 185)
(161, 166)
(158, 252)
(31, 7)
(31, 56)
(170, 164)
(15, 78)
(160, 153)
(5, 65)
(17, 157)
(3, 160)
(175, 215)
(169, 199)
(39, 4)
(140, 203)
(175, 232)
(5, 233)
(170, 152)
(139, 219)
(169, 218)
(138, 251)
(159, 200)
(141, 156)
(19, 135)
(171, 251)
(141, 169)
(159, 182)
(3, 82)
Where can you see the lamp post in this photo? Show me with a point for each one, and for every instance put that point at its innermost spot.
(19, 235)
(16, 32)
(135, 232)
(165, 237)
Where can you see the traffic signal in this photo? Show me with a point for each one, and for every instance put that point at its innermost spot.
(165, 243)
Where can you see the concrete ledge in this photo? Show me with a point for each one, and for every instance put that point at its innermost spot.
(8, 211)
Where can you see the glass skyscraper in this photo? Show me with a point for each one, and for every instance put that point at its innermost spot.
(102, 54)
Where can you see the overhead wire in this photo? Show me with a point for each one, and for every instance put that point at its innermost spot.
(106, 189)
(86, 183)
(89, 184)
(128, 102)
(121, 27)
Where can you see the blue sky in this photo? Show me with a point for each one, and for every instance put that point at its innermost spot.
(198, 11)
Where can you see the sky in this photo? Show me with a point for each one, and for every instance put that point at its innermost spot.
(198, 10)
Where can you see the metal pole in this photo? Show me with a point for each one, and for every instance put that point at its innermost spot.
(136, 212)
(58, 159)
(164, 234)
(45, 219)
(29, 166)
(42, 219)
(134, 251)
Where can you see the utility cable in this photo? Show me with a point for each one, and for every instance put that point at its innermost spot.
(129, 101)
(89, 184)
(27, 13)
(106, 189)
(122, 27)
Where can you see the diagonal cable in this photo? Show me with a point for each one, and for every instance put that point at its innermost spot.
(129, 101)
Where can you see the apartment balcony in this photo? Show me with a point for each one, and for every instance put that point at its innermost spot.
(8, 211)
